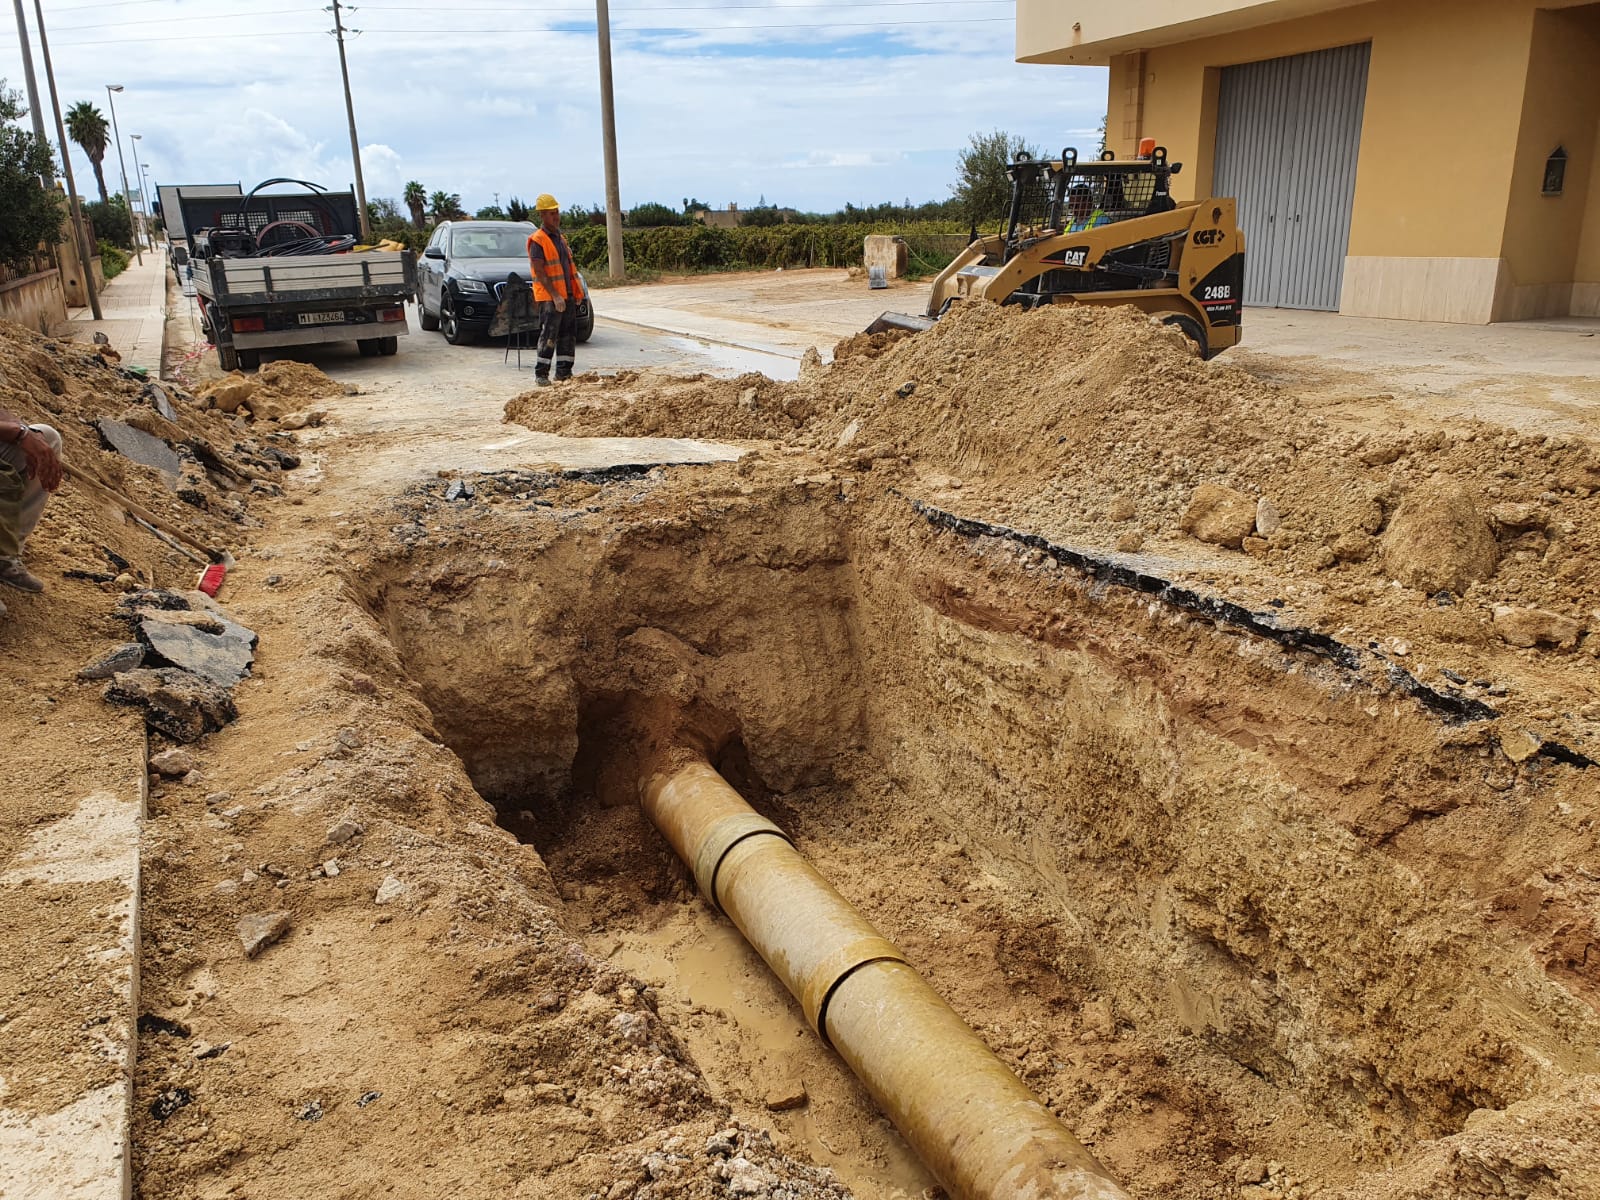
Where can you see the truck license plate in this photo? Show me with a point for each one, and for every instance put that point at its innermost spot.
(322, 318)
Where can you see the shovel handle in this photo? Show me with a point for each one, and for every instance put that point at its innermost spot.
(144, 515)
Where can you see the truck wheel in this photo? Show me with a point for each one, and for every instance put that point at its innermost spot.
(388, 346)
(1191, 329)
(227, 358)
(425, 319)
(368, 347)
(249, 360)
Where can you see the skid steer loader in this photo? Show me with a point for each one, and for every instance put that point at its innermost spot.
(1104, 232)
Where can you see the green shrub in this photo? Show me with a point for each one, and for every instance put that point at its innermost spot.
(704, 248)
(113, 261)
(111, 221)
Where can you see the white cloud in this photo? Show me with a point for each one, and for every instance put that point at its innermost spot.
(485, 101)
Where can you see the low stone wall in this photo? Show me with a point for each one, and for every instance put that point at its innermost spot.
(37, 301)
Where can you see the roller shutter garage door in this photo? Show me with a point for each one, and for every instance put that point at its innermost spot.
(1288, 134)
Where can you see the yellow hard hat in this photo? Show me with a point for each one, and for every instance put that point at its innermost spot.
(545, 203)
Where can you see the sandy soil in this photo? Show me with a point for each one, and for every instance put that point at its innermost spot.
(1257, 915)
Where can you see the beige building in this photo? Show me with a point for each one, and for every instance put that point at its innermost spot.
(1428, 159)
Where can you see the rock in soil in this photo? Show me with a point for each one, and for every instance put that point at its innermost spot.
(174, 764)
(257, 931)
(1528, 627)
(1440, 540)
(1220, 515)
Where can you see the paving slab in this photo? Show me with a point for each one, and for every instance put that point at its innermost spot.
(134, 305)
(81, 1150)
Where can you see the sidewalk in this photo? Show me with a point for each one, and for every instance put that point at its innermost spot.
(135, 308)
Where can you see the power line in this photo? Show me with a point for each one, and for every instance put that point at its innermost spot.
(210, 37)
(671, 8)
(111, 4)
(271, 12)
(709, 28)
(575, 28)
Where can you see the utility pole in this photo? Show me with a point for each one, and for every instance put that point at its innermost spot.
(122, 169)
(35, 110)
(78, 227)
(608, 121)
(350, 112)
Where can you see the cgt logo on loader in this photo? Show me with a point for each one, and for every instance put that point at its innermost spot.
(1207, 237)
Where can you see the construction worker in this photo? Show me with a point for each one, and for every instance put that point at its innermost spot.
(30, 469)
(556, 290)
(1081, 212)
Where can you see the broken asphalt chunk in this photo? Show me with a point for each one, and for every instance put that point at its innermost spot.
(126, 657)
(169, 1102)
(177, 703)
(139, 446)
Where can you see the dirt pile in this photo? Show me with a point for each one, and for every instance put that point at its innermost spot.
(148, 440)
(655, 404)
(1101, 428)
(281, 391)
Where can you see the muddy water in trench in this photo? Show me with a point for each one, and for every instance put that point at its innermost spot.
(752, 1042)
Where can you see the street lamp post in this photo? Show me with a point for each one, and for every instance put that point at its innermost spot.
(136, 138)
(144, 199)
(122, 169)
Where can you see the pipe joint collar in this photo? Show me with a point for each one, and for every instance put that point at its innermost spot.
(835, 969)
(723, 837)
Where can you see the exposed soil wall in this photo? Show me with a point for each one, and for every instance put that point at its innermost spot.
(1220, 901)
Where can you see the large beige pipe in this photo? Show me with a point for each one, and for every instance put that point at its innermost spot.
(978, 1129)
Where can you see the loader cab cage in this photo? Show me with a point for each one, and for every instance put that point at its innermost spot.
(1121, 189)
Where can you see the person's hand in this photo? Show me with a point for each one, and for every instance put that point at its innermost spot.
(43, 464)
(561, 305)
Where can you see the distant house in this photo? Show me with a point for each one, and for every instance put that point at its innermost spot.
(733, 216)
(724, 219)
(1396, 158)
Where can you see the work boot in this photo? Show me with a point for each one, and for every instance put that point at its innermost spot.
(564, 378)
(541, 381)
(18, 576)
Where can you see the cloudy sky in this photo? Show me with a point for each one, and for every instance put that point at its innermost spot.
(808, 105)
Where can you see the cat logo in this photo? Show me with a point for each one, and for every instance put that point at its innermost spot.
(1207, 237)
(1075, 257)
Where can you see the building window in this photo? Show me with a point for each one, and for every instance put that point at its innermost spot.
(1555, 172)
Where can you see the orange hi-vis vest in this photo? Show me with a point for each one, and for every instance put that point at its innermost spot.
(556, 267)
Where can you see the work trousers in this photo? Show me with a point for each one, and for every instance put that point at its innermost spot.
(22, 500)
(558, 339)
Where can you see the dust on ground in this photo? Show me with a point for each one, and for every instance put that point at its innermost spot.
(1254, 923)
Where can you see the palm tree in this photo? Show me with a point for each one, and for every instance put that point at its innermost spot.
(87, 126)
(416, 198)
(446, 206)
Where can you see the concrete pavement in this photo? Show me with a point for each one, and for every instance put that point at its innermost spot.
(135, 308)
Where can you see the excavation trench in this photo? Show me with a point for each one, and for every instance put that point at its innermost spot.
(1217, 896)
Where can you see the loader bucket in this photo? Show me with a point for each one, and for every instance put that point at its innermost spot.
(894, 320)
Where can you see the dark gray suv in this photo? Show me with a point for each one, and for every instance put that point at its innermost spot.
(462, 271)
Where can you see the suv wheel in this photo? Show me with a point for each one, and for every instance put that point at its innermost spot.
(449, 322)
(427, 320)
